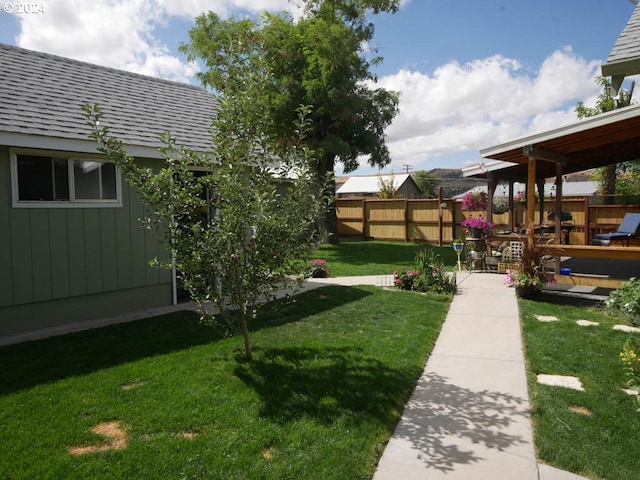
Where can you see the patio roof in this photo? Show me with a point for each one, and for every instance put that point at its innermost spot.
(605, 139)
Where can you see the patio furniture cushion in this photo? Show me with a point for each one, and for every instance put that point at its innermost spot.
(626, 231)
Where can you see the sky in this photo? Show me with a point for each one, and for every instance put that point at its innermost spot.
(470, 73)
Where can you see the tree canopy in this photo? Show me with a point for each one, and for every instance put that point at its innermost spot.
(238, 220)
(607, 175)
(318, 60)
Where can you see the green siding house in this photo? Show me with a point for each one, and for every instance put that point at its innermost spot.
(72, 251)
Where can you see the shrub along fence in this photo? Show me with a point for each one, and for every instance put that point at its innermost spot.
(438, 220)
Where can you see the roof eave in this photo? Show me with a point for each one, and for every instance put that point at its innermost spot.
(22, 140)
(580, 126)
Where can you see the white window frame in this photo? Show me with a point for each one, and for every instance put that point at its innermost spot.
(72, 202)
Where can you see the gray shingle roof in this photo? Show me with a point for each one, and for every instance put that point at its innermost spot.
(628, 44)
(624, 59)
(42, 95)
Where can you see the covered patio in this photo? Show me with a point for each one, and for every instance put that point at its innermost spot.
(606, 139)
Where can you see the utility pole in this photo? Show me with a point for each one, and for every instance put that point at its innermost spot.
(407, 167)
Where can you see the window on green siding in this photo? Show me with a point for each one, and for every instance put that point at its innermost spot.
(94, 180)
(65, 181)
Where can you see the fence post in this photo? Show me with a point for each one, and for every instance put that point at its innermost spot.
(587, 221)
(364, 220)
(440, 214)
(406, 220)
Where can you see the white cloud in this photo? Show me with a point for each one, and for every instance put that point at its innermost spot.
(464, 107)
(456, 108)
(120, 33)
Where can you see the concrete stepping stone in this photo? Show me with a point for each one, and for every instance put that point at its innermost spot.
(626, 328)
(547, 318)
(573, 383)
(587, 323)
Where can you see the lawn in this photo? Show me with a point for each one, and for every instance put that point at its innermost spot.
(595, 433)
(376, 257)
(172, 399)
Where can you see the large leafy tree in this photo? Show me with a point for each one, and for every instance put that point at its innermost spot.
(238, 219)
(318, 60)
(607, 102)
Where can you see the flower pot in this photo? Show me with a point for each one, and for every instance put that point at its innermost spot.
(528, 292)
(475, 232)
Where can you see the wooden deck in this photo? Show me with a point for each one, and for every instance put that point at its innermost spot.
(617, 265)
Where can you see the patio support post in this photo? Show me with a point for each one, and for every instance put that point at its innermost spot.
(531, 194)
(512, 213)
(540, 185)
(558, 216)
(558, 206)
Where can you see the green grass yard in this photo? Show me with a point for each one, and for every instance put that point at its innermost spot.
(595, 433)
(376, 257)
(331, 374)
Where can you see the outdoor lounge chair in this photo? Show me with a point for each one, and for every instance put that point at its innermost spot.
(626, 231)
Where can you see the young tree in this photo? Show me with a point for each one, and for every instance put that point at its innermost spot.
(606, 102)
(240, 224)
(387, 189)
(318, 60)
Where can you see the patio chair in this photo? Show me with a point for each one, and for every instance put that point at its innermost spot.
(626, 231)
(511, 256)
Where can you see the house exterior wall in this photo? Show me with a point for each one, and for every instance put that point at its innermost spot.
(67, 265)
(409, 189)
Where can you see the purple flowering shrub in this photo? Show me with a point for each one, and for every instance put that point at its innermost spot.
(474, 201)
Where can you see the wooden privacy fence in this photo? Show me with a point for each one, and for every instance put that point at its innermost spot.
(439, 220)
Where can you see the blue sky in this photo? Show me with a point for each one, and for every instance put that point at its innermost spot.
(471, 73)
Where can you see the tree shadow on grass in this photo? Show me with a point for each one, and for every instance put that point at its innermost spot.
(441, 417)
(37, 362)
(448, 424)
(325, 385)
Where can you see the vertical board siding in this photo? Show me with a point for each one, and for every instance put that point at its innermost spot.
(124, 240)
(40, 254)
(22, 271)
(56, 253)
(59, 245)
(77, 262)
(93, 251)
(109, 249)
(6, 263)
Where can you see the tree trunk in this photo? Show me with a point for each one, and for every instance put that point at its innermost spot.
(608, 182)
(245, 332)
(327, 218)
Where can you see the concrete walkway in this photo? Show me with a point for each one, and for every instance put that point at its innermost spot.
(468, 417)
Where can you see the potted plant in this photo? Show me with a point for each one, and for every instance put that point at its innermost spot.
(530, 275)
(474, 201)
(318, 268)
(477, 227)
(500, 205)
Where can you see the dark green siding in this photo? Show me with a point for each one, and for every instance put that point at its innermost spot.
(6, 263)
(63, 262)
